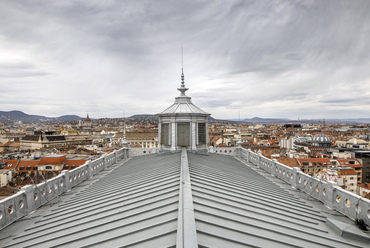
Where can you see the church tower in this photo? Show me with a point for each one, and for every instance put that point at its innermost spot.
(183, 124)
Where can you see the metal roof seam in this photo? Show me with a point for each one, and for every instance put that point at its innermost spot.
(186, 229)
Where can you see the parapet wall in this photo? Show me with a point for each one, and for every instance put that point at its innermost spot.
(31, 197)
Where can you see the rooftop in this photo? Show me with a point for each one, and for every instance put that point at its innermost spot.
(184, 200)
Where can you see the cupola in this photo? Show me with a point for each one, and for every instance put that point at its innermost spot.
(183, 124)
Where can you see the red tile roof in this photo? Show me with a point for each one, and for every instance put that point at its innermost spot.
(315, 160)
(74, 163)
(10, 164)
(53, 160)
(346, 163)
(347, 172)
(362, 185)
(30, 163)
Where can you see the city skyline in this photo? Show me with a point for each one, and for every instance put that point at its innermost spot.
(281, 59)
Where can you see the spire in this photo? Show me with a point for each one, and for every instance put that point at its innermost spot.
(182, 89)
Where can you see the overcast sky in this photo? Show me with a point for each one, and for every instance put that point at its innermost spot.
(265, 58)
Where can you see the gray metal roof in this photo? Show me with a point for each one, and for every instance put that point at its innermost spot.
(237, 207)
(183, 107)
(183, 200)
(135, 204)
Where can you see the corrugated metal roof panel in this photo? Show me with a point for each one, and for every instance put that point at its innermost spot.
(136, 204)
(237, 207)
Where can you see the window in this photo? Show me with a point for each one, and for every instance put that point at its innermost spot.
(22, 168)
(202, 133)
(34, 168)
(48, 167)
(28, 168)
(165, 131)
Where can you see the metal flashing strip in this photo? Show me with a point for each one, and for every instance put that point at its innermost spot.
(186, 230)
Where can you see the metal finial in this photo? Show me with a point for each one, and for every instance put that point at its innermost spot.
(182, 68)
(182, 88)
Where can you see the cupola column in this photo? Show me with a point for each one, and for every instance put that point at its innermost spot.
(173, 133)
(193, 134)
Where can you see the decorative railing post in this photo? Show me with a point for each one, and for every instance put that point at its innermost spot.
(239, 152)
(273, 167)
(331, 188)
(67, 179)
(295, 172)
(259, 159)
(248, 155)
(115, 156)
(154, 149)
(105, 164)
(29, 191)
(125, 153)
(90, 171)
(211, 149)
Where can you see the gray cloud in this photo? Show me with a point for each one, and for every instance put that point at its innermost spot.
(265, 58)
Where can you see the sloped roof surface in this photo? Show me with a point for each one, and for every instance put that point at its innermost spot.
(136, 204)
(183, 108)
(53, 160)
(238, 207)
(10, 164)
(26, 163)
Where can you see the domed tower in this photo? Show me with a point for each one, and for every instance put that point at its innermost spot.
(183, 124)
(321, 140)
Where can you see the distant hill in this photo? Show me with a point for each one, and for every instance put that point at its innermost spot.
(144, 116)
(286, 120)
(16, 115)
(68, 118)
(266, 120)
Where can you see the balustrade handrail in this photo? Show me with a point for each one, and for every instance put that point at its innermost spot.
(329, 193)
(31, 197)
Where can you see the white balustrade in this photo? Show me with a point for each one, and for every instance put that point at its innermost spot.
(329, 193)
(31, 197)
